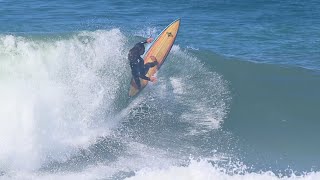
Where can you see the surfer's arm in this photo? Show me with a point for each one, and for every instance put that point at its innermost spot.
(148, 40)
(140, 44)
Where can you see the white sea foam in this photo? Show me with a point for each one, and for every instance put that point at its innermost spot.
(205, 92)
(196, 170)
(178, 86)
(203, 170)
(51, 92)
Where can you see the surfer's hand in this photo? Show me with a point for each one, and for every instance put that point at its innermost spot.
(149, 40)
(153, 58)
(153, 79)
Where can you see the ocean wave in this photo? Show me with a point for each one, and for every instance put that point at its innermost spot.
(65, 107)
(54, 94)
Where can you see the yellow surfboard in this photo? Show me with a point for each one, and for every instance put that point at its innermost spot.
(160, 49)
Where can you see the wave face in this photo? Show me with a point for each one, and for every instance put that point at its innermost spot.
(274, 110)
(65, 113)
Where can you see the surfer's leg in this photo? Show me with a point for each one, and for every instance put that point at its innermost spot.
(135, 74)
(137, 80)
(147, 66)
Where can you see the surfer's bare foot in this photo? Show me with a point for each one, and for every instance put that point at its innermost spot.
(153, 79)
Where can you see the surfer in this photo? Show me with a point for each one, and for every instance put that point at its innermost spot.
(138, 68)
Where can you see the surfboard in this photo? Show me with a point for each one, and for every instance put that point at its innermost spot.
(160, 48)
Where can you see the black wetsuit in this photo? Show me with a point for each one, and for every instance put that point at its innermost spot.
(138, 68)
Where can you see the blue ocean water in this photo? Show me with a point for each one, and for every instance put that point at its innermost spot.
(238, 97)
(274, 31)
